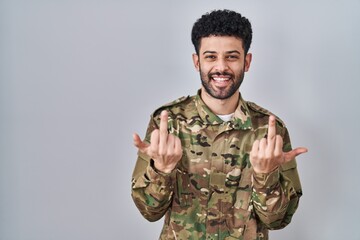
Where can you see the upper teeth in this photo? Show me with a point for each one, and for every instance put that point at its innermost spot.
(220, 79)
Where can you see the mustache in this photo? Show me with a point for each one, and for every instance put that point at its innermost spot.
(220, 73)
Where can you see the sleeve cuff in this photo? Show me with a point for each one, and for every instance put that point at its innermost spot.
(265, 180)
(162, 179)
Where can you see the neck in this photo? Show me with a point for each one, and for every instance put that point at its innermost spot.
(220, 106)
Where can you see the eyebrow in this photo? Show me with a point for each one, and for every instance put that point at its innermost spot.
(234, 51)
(210, 52)
(228, 52)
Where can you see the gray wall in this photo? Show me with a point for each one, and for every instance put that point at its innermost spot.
(79, 77)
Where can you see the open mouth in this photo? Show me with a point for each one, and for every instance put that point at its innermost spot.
(221, 80)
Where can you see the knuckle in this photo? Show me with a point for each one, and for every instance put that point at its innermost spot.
(161, 152)
(179, 151)
(152, 150)
(170, 153)
(277, 154)
(269, 153)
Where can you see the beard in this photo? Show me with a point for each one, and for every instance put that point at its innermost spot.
(221, 93)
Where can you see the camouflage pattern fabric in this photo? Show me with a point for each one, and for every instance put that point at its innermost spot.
(213, 193)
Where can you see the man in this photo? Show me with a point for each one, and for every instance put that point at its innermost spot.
(217, 166)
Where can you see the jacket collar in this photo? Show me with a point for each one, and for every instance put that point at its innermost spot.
(240, 120)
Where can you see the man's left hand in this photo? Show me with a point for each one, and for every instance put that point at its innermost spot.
(266, 154)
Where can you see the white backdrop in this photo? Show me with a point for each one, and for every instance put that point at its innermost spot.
(77, 78)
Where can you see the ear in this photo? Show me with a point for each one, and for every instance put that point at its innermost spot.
(195, 58)
(248, 58)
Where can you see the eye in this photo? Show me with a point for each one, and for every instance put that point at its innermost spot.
(210, 57)
(232, 57)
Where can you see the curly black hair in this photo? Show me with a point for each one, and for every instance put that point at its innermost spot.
(222, 23)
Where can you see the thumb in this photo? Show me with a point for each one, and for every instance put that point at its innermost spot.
(293, 153)
(139, 143)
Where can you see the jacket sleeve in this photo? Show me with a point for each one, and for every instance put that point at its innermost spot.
(151, 190)
(275, 195)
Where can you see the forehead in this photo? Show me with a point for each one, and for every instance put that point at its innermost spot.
(221, 44)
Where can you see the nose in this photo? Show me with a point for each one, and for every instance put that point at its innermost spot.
(221, 65)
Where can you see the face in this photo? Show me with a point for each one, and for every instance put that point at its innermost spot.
(222, 64)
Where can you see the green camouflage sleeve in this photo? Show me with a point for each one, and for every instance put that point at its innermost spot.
(151, 190)
(276, 195)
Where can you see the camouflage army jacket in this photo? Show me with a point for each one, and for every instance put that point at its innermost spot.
(213, 192)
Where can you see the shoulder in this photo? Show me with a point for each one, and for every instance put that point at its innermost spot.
(176, 106)
(261, 114)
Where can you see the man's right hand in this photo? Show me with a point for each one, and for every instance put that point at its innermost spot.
(164, 148)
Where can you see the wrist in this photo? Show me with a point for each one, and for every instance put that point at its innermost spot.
(161, 168)
(264, 171)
